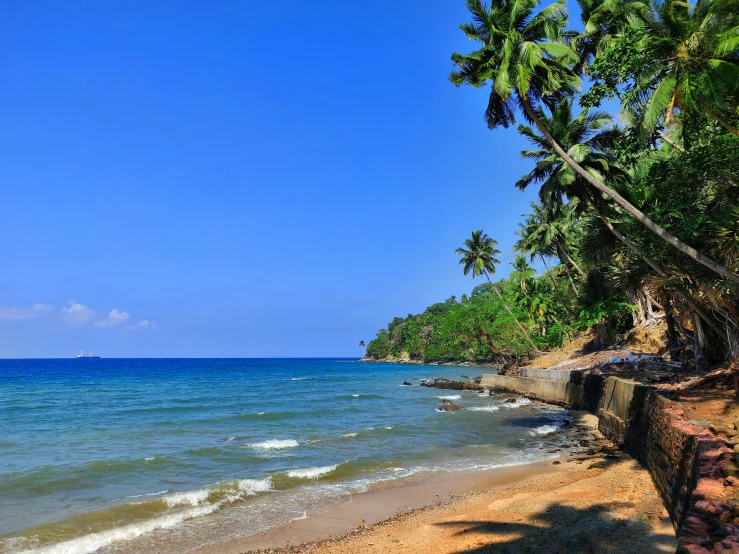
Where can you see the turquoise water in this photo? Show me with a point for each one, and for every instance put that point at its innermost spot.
(98, 454)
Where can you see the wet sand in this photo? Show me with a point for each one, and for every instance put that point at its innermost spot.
(602, 502)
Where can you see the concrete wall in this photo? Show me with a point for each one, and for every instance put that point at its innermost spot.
(564, 375)
(555, 392)
(684, 462)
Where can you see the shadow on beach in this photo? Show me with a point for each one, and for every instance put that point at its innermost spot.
(563, 529)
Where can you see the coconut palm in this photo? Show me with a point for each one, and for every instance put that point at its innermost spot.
(694, 53)
(361, 344)
(523, 55)
(479, 258)
(587, 138)
(603, 20)
(538, 238)
(522, 271)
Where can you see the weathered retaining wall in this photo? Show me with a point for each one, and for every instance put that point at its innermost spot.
(683, 460)
(560, 392)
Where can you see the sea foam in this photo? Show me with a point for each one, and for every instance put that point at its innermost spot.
(311, 472)
(544, 430)
(450, 397)
(483, 409)
(274, 444)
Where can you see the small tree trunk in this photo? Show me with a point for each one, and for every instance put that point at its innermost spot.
(672, 341)
(525, 334)
(650, 312)
(635, 299)
(572, 282)
(626, 205)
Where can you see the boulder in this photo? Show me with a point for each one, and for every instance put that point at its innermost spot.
(449, 406)
(406, 384)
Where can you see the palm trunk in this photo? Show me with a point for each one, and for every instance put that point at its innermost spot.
(626, 205)
(525, 334)
(567, 269)
(569, 259)
(733, 130)
(556, 287)
(671, 142)
(572, 283)
(627, 242)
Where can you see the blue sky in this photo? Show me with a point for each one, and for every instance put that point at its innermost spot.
(237, 178)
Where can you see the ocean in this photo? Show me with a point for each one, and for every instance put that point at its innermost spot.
(98, 454)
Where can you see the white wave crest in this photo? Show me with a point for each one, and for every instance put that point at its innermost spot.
(254, 486)
(304, 378)
(96, 541)
(483, 409)
(355, 395)
(310, 473)
(350, 435)
(544, 430)
(450, 397)
(274, 444)
(192, 498)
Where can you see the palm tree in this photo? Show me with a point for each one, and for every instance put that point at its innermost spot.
(523, 55)
(695, 68)
(480, 258)
(361, 344)
(602, 21)
(587, 138)
(522, 271)
(538, 238)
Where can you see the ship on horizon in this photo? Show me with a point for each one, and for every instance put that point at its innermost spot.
(83, 355)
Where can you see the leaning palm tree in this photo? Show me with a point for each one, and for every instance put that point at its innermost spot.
(523, 55)
(479, 258)
(587, 137)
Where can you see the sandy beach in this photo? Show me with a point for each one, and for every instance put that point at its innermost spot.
(600, 501)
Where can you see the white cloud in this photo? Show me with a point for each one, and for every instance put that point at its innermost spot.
(13, 312)
(146, 324)
(114, 318)
(77, 314)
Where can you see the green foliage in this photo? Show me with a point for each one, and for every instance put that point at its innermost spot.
(674, 67)
(475, 328)
(603, 311)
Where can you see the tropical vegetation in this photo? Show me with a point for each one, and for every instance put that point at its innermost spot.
(635, 214)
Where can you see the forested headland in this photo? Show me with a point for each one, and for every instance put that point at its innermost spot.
(637, 218)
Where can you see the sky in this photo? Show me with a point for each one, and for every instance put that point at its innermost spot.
(238, 178)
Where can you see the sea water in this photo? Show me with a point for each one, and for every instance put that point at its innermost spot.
(99, 455)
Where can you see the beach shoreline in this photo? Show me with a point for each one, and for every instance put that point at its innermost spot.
(382, 519)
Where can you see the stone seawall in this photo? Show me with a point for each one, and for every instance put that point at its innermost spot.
(684, 460)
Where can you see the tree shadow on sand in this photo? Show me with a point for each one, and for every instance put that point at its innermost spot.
(564, 529)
